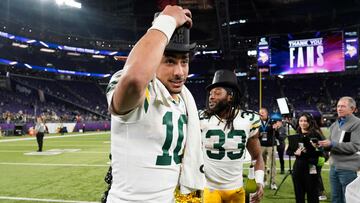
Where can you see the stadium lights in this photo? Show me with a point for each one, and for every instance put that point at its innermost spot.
(15, 64)
(191, 75)
(113, 53)
(70, 3)
(241, 21)
(98, 56)
(73, 54)
(210, 52)
(197, 53)
(30, 41)
(241, 74)
(44, 44)
(251, 52)
(15, 44)
(47, 50)
(27, 65)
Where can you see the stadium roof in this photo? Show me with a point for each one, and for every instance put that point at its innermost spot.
(232, 26)
(129, 19)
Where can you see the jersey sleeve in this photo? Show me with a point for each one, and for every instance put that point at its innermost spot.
(255, 124)
(201, 118)
(135, 114)
(110, 90)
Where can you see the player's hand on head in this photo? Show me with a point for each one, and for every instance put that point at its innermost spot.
(181, 15)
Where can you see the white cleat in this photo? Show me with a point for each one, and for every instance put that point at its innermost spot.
(273, 186)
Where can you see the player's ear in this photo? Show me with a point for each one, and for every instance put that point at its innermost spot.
(230, 97)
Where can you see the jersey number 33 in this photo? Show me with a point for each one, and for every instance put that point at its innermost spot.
(219, 145)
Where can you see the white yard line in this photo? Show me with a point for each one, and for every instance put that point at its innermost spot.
(81, 152)
(42, 164)
(43, 200)
(51, 137)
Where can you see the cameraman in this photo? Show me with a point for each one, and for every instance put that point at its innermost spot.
(268, 135)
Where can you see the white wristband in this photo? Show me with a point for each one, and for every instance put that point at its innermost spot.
(259, 176)
(165, 24)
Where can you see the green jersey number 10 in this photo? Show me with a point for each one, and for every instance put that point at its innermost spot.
(165, 158)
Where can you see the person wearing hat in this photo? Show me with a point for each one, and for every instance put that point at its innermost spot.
(155, 129)
(227, 132)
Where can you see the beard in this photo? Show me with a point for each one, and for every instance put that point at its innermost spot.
(221, 107)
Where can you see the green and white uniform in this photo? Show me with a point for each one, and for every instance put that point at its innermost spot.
(224, 150)
(146, 146)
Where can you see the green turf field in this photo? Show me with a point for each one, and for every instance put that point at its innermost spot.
(74, 176)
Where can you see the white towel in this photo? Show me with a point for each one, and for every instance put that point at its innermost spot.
(191, 174)
(191, 177)
(352, 191)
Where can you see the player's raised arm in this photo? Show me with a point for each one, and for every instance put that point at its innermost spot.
(145, 57)
(254, 148)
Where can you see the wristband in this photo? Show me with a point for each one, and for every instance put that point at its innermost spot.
(259, 177)
(165, 24)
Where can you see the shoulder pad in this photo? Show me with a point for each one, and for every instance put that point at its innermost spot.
(201, 114)
(249, 114)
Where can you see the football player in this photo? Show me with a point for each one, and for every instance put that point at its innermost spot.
(150, 110)
(227, 133)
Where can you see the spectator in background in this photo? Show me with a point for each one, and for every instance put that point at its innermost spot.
(39, 131)
(309, 160)
(7, 117)
(344, 145)
(148, 95)
(83, 127)
(268, 136)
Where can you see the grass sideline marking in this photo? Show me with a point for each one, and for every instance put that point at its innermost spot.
(42, 164)
(51, 137)
(44, 200)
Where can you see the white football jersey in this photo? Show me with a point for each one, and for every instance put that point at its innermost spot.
(146, 146)
(224, 150)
